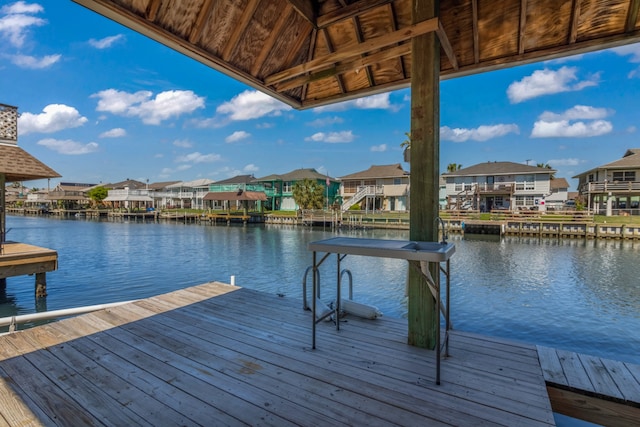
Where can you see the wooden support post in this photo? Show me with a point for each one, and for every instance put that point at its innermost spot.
(425, 158)
(41, 285)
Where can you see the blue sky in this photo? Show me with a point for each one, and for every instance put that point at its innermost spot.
(101, 103)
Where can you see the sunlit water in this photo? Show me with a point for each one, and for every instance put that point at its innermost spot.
(577, 295)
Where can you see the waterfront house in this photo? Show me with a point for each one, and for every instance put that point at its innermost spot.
(70, 195)
(498, 185)
(238, 192)
(183, 194)
(613, 188)
(559, 194)
(279, 188)
(156, 192)
(381, 187)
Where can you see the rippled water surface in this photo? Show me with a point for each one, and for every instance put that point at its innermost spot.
(573, 294)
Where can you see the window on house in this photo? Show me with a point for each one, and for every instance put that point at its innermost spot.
(397, 181)
(287, 187)
(529, 200)
(350, 186)
(624, 176)
(591, 178)
(519, 201)
(458, 186)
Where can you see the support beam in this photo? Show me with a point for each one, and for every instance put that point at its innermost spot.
(425, 158)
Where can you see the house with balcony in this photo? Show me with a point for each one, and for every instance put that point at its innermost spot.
(279, 188)
(381, 187)
(613, 188)
(70, 195)
(238, 192)
(182, 194)
(498, 185)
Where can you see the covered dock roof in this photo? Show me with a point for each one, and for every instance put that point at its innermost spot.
(308, 53)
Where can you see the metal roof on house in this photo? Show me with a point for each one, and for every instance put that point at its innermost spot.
(160, 185)
(313, 52)
(498, 168)
(379, 171)
(18, 165)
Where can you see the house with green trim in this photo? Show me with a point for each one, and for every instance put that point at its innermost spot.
(279, 188)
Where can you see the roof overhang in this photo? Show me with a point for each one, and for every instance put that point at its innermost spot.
(308, 53)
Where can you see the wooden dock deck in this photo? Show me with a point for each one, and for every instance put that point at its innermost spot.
(599, 390)
(19, 259)
(220, 355)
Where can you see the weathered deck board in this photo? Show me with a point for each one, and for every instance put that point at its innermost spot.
(595, 389)
(216, 354)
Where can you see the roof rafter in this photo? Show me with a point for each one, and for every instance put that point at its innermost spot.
(632, 16)
(205, 10)
(354, 49)
(307, 9)
(348, 12)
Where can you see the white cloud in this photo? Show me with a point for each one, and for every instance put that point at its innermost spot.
(182, 143)
(481, 133)
(631, 129)
(114, 133)
(380, 101)
(153, 111)
(105, 42)
(16, 20)
(68, 146)
(251, 168)
(578, 112)
(54, 117)
(546, 82)
(327, 121)
(562, 128)
(237, 136)
(33, 63)
(331, 137)
(197, 157)
(252, 104)
(632, 50)
(579, 121)
(379, 148)
(563, 162)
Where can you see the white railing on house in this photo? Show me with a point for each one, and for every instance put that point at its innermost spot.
(605, 186)
(363, 191)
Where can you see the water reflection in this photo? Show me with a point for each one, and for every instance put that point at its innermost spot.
(581, 295)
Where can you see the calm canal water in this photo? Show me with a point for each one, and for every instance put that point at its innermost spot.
(577, 295)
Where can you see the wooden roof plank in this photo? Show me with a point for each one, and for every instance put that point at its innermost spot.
(196, 30)
(271, 40)
(152, 10)
(247, 14)
(355, 50)
(476, 36)
(307, 9)
(349, 12)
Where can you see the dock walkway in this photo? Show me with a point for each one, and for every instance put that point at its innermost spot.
(601, 390)
(215, 354)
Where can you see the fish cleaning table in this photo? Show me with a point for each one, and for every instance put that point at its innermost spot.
(418, 254)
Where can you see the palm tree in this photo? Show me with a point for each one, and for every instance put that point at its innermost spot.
(308, 194)
(547, 166)
(406, 146)
(452, 167)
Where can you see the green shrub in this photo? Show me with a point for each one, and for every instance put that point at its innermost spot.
(355, 207)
